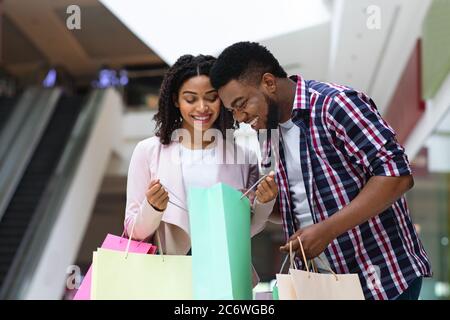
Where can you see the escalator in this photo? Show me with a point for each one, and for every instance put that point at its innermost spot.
(6, 107)
(20, 212)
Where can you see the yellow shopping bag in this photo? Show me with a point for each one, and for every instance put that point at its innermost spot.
(124, 275)
(140, 276)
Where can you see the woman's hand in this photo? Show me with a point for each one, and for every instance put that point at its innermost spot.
(267, 189)
(157, 196)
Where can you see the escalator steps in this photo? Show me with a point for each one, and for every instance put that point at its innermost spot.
(22, 206)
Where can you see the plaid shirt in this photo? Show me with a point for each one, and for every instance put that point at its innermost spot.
(343, 142)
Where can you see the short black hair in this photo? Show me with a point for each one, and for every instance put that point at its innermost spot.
(246, 61)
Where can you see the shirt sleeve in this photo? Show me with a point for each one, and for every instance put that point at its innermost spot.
(138, 211)
(364, 136)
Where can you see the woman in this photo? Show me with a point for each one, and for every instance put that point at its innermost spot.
(163, 167)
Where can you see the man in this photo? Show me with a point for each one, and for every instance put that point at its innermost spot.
(341, 176)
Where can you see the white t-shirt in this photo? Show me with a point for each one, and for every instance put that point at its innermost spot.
(300, 205)
(198, 167)
(291, 146)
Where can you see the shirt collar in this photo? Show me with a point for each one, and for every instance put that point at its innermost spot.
(301, 101)
(287, 125)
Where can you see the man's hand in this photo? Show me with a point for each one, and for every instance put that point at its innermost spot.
(267, 189)
(251, 195)
(315, 239)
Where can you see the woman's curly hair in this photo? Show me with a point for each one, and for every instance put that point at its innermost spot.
(168, 119)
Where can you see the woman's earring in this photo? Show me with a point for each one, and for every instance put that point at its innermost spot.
(235, 124)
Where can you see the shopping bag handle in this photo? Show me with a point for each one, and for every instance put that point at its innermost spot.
(171, 202)
(129, 241)
(125, 229)
(291, 257)
(160, 249)
(303, 253)
(131, 236)
(284, 262)
(306, 262)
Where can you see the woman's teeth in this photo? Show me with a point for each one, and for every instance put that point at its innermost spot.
(202, 118)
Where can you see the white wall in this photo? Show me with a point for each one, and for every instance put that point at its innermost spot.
(134, 127)
(372, 57)
(432, 131)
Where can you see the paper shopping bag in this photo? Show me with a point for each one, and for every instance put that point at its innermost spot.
(117, 275)
(317, 286)
(220, 239)
(114, 243)
(285, 287)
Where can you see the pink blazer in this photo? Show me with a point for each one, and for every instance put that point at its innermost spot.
(152, 160)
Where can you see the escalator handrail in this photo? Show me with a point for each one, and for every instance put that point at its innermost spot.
(26, 138)
(39, 229)
(16, 119)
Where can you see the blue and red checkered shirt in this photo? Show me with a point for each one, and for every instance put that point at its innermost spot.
(343, 142)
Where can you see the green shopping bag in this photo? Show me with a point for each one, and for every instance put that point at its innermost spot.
(220, 239)
(140, 276)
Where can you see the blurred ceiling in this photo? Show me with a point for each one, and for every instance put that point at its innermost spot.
(35, 36)
(204, 26)
(327, 40)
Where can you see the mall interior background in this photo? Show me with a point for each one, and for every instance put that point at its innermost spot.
(102, 80)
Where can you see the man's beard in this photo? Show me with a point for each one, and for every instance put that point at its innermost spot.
(273, 116)
(272, 122)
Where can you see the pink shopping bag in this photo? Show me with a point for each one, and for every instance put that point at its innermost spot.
(112, 242)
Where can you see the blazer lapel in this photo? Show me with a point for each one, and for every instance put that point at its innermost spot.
(170, 175)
